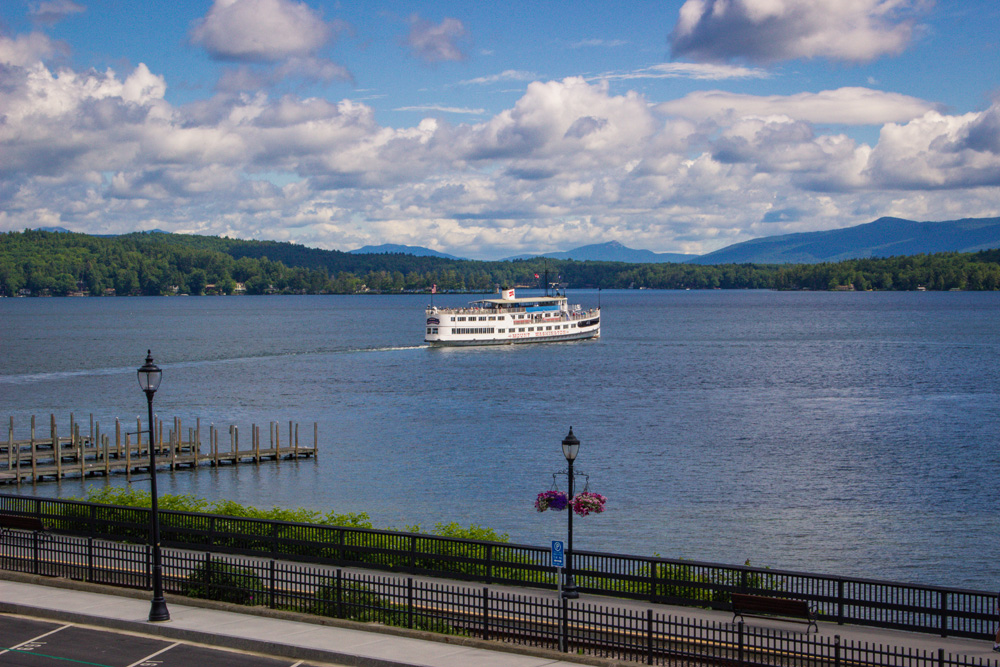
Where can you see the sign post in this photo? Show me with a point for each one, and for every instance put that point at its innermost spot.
(559, 562)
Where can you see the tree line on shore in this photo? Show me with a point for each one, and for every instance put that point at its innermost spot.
(40, 263)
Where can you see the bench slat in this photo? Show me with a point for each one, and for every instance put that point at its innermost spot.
(761, 606)
(21, 522)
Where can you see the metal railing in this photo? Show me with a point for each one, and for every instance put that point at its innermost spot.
(642, 636)
(929, 609)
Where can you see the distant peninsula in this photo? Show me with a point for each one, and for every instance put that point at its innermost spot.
(955, 255)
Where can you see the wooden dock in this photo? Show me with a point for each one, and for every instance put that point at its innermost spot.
(53, 457)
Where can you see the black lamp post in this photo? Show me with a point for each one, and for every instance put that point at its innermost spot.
(570, 447)
(149, 380)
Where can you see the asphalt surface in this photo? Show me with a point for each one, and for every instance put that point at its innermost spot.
(46, 622)
(30, 642)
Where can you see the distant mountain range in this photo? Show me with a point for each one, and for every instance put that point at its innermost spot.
(613, 251)
(393, 248)
(886, 237)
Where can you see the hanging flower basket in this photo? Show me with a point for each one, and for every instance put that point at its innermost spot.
(551, 500)
(586, 502)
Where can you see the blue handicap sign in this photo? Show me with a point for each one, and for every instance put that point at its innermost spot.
(558, 555)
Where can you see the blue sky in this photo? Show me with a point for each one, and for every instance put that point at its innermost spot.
(490, 130)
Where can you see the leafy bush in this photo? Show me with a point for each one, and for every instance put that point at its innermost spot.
(358, 602)
(226, 583)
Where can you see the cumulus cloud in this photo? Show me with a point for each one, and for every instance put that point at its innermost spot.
(436, 43)
(846, 106)
(939, 151)
(260, 30)
(774, 30)
(25, 50)
(570, 162)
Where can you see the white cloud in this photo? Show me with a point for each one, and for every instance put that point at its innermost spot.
(25, 50)
(436, 43)
(260, 30)
(506, 75)
(846, 106)
(697, 71)
(569, 163)
(939, 151)
(775, 30)
(443, 109)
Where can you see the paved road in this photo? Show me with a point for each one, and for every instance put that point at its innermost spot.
(31, 642)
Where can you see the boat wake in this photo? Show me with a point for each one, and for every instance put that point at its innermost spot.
(60, 376)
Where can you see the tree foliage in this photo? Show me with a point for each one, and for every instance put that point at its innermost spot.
(41, 263)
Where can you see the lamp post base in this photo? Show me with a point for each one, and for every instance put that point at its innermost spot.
(158, 611)
(569, 591)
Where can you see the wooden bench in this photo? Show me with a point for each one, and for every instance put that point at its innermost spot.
(20, 522)
(759, 606)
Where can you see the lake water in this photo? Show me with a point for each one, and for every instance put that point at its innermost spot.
(843, 433)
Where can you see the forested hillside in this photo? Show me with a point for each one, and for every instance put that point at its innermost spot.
(51, 263)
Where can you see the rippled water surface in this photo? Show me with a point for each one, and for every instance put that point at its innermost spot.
(845, 433)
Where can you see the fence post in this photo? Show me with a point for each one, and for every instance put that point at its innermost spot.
(208, 572)
(273, 585)
(339, 597)
(90, 559)
(149, 567)
(564, 627)
(836, 651)
(409, 602)
(489, 563)
(486, 613)
(739, 643)
(654, 573)
(840, 602)
(940, 657)
(944, 614)
(34, 549)
(649, 635)
(413, 551)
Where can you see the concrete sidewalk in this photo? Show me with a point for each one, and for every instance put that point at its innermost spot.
(301, 636)
(278, 634)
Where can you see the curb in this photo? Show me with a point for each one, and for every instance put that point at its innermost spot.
(260, 646)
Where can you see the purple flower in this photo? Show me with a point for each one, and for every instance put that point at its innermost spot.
(551, 500)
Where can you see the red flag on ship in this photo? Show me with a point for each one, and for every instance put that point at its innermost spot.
(536, 276)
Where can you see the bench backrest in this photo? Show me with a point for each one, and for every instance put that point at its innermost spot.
(765, 605)
(21, 522)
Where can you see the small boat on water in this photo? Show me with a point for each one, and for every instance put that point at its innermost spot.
(508, 319)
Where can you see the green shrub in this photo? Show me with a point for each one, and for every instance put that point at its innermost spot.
(213, 580)
(358, 602)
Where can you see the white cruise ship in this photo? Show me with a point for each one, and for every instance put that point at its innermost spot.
(507, 320)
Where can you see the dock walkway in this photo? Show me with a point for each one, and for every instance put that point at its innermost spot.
(53, 457)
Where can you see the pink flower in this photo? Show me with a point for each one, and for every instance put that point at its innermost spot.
(586, 502)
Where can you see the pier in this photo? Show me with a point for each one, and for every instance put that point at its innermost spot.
(51, 457)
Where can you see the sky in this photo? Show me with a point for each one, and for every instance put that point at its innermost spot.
(487, 130)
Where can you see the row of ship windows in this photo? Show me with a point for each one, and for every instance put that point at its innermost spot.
(489, 330)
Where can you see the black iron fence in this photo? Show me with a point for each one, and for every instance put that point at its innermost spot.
(931, 609)
(641, 636)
